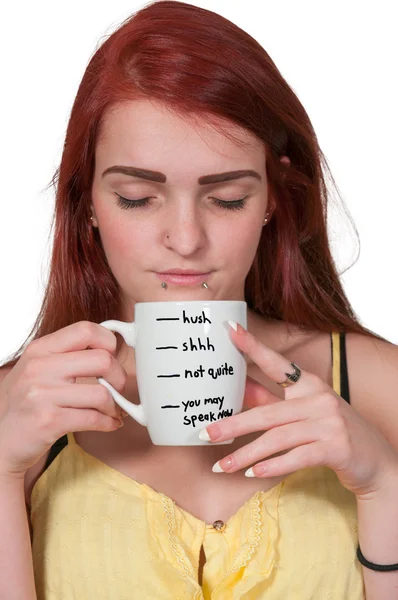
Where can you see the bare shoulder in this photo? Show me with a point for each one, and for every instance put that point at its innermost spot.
(372, 368)
(373, 379)
(370, 348)
(33, 473)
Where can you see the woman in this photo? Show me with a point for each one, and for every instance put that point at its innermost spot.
(186, 149)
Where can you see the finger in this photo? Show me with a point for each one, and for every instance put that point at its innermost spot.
(77, 336)
(256, 394)
(86, 419)
(276, 440)
(91, 397)
(273, 364)
(301, 457)
(260, 418)
(84, 363)
(82, 396)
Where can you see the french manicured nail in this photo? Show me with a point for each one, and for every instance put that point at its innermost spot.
(121, 423)
(249, 473)
(217, 468)
(238, 328)
(203, 435)
(233, 324)
(228, 462)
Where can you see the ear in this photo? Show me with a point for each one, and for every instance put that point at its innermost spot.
(285, 160)
(94, 221)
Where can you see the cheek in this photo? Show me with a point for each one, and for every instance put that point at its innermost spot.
(126, 248)
(240, 245)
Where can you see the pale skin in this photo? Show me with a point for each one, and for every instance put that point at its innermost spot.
(182, 227)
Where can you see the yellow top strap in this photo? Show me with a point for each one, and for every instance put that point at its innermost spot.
(71, 439)
(336, 362)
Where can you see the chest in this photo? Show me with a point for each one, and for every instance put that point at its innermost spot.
(300, 540)
(193, 486)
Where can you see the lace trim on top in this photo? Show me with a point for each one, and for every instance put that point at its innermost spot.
(253, 538)
(179, 552)
(247, 549)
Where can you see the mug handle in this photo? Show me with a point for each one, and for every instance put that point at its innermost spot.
(128, 332)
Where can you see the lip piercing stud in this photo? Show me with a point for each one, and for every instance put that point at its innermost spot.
(204, 284)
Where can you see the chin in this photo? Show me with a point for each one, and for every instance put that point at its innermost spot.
(183, 295)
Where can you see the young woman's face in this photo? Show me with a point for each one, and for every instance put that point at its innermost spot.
(194, 217)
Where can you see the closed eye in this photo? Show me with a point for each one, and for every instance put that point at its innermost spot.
(141, 202)
(126, 204)
(230, 204)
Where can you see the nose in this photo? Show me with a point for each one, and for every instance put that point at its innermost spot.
(184, 229)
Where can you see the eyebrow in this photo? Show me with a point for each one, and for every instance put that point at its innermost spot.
(161, 178)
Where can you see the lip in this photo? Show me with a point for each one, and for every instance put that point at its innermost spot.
(183, 272)
(183, 276)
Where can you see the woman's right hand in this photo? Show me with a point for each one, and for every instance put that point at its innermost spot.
(39, 402)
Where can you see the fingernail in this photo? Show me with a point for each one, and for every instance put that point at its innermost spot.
(237, 327)
(217, 468)
(121, 423)
(233, 324)
(203, 435)
(124, 413)
(249, 473)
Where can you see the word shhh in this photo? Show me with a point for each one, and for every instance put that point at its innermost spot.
(199, 346)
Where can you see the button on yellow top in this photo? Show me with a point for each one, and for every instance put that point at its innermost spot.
(219, 525)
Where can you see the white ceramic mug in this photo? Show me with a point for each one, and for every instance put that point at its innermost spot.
(189, 373)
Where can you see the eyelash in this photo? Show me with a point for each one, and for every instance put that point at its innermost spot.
(231, 205)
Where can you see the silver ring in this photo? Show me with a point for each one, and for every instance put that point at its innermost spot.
(291, 377)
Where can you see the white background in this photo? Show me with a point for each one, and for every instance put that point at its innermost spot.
(339, 57)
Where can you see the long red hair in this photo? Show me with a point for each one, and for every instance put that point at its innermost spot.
(199, 63)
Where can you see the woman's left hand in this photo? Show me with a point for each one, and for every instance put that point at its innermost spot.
(314, 423)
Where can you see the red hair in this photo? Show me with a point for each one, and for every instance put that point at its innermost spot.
(198, 63)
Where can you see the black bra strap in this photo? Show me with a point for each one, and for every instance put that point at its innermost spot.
(341, 353)
(56, 449)
(345, 388)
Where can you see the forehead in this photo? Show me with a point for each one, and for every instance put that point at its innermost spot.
(146, 131)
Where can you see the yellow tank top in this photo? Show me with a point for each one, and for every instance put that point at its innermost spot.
(99, 535)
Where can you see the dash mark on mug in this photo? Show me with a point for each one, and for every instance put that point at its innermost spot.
(168, 319)
(166, 347)
(169, 375)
